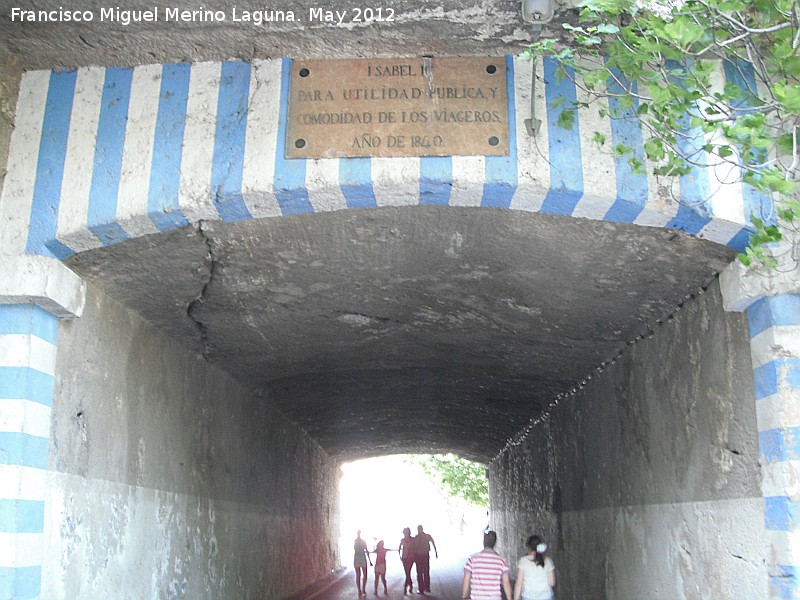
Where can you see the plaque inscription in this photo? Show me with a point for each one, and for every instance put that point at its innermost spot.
(397, 107)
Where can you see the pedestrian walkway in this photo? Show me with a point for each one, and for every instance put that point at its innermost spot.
(446, 576)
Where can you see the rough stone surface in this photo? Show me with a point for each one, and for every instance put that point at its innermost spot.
(398, 330)
(447, 28)
(170, 479)
(43, 281)
(9, 89)
(646, 482)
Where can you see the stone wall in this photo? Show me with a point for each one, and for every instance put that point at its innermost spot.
(10, 74)
(170, 480)
(646, 482)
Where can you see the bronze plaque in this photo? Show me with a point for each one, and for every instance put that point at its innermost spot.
(398, 107)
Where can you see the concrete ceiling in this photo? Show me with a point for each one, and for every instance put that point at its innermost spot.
(419, 27)
(417, 329)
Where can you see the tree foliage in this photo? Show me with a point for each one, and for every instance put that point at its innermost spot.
(659, 62)
(459, 477)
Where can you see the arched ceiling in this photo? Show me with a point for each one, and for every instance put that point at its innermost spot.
(418, 27)
(416, 329)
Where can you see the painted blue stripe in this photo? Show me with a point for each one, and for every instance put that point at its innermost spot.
(780, 513)
(290, 174)
(771, 376)
(29, 319)
(229, 142)
(50, 165)
(779, 445)
(163, 207)
(566, 170)
(21, 583)
(26, 383)
(107, 169)
(355, 180)
(632, 188)
(23, 450)
(695, 188)
(688, 219)
(786, 582)
(501, 171)
(773, 311)
(741, 240)
(436, 180)
(742, 75)
(21, 516)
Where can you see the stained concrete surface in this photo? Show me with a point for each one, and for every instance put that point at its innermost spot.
(448, 28)
(399, 330)
(646, 482)
(169, 479)
(9, 88)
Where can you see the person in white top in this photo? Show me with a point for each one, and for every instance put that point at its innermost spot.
(536, 573)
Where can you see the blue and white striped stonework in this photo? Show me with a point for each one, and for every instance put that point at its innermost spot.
(101, 155)
(28, 339)
(775, 349)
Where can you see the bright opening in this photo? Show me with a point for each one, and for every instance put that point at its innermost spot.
(380, 496)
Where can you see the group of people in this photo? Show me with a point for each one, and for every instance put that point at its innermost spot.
(486, 573)
(414, 550)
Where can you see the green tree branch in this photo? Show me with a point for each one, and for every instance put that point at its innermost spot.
(658, 63)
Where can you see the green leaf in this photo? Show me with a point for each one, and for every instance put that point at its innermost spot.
(607, 28)
(654, 149)
(683, 32)
(725, 151)
(566, 119)
(788, 95)
(622, 150)
(637, 166)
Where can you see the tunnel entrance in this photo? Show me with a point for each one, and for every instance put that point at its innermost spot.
(589, 364)
(221, 373)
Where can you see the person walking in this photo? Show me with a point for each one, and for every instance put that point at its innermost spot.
(486, 573)
(380, 566)
(422, 556)
(406, 552)
(360, 559)
(536, 573)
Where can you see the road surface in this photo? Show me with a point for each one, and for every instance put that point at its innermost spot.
(446, 575)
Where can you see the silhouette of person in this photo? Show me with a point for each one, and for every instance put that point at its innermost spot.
(486, 573)
(360, 563)
(406, 552)
(380, 566)
(422, 556)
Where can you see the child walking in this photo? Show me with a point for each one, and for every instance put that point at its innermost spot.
(380, 566)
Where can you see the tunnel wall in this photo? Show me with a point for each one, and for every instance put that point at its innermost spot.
(646, 482)
(168, 479)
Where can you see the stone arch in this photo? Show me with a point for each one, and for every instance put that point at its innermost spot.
(115, 153)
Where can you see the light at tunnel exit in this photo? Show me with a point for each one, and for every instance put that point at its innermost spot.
(380, 496)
